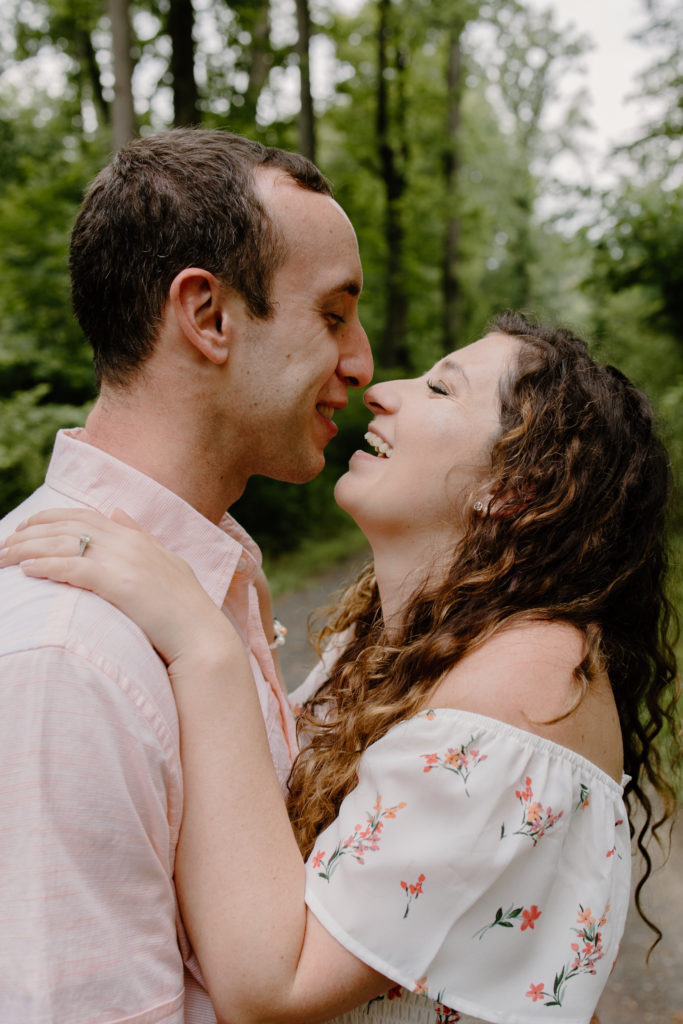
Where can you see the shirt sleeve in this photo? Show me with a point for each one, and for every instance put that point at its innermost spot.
(319, 674)
(480, 865)
(87, 915)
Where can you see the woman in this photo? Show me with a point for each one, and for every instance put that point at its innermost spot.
(486, 685)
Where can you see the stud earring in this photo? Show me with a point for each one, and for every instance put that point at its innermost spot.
(479, 506)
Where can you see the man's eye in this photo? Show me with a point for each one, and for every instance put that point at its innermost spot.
(438, 387)
(335, 318)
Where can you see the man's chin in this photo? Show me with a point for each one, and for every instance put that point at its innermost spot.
(300, 473)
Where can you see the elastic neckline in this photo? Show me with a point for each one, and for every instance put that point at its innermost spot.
(529, 739)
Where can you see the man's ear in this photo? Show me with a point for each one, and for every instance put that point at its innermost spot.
(198, 302)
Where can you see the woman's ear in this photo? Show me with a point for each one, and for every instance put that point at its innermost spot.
(198, 302)
(511, 504)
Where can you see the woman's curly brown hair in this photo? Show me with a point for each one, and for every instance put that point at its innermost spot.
(581, 484)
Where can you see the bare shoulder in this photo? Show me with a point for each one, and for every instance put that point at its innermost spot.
(524, 675)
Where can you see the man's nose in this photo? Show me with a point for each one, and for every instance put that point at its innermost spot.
(355, 360)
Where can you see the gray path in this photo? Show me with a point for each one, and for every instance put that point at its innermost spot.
(297, 657)
(636, 993)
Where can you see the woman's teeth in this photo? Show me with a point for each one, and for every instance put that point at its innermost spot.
(383, 448)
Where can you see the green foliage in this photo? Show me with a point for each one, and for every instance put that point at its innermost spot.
(27, 431)
(642, 247)
(46, 375)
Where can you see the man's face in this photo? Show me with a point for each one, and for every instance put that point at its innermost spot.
(291, 372)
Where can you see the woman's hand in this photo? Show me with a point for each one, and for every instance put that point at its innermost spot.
(127, 567)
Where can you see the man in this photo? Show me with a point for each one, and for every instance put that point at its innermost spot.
(218, 283)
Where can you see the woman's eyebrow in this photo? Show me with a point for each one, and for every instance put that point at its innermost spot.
(453, 366)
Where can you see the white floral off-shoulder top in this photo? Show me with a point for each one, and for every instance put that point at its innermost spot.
(482, 868)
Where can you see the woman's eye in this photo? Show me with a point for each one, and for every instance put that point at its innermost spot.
(438, 386)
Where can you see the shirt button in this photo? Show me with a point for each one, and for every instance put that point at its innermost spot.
(242, 564)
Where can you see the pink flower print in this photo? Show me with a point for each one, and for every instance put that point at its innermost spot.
(318, 859)
(535, 820)
(364, 839)
(584, 798)
(584, 961)
(460, 760)
(525, 794)
(529, 917)
(510, 917)
(585, 916)
(456, 758)
(420, 986)
(412, 891)
(445, 1015)
(429, 714)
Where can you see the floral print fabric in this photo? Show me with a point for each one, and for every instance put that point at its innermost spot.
(480, 866)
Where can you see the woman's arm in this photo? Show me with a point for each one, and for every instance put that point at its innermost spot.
(239, 873)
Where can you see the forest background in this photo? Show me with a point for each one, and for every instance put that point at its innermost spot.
(457, 136)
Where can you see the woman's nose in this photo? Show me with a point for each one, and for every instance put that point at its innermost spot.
(382, 397)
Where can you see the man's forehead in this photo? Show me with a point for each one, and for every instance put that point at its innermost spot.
(282, 194)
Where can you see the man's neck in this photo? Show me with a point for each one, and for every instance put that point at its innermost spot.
(160, 444)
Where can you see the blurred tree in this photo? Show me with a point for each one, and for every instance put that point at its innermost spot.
(123, 121)
(455, 22)
(180, 26)
(67, 26)
(46, 378)
(528, 64)
(658, 149)
(392, 149)
(306, 112)
(636, 276)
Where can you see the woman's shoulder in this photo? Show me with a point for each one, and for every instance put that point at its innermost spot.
(524, 675)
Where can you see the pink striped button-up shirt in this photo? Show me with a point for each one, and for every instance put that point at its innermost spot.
(91, 792)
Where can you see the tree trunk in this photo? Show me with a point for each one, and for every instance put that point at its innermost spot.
(91, 70)
(393, 351)
(451, 291)
(124, 125)
(257, 21)
(179, 24)
(306, 115)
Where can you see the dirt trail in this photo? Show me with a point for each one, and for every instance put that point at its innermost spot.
(636, 993)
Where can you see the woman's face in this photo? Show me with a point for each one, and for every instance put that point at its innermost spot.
(437, 432)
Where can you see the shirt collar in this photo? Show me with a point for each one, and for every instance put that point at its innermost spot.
(216, 554)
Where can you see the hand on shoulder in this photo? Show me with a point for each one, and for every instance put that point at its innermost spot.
(118, 560)
(524, 675)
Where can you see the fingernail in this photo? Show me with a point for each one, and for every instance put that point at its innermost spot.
(27, 561)
(3, 552)
(22, 525)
